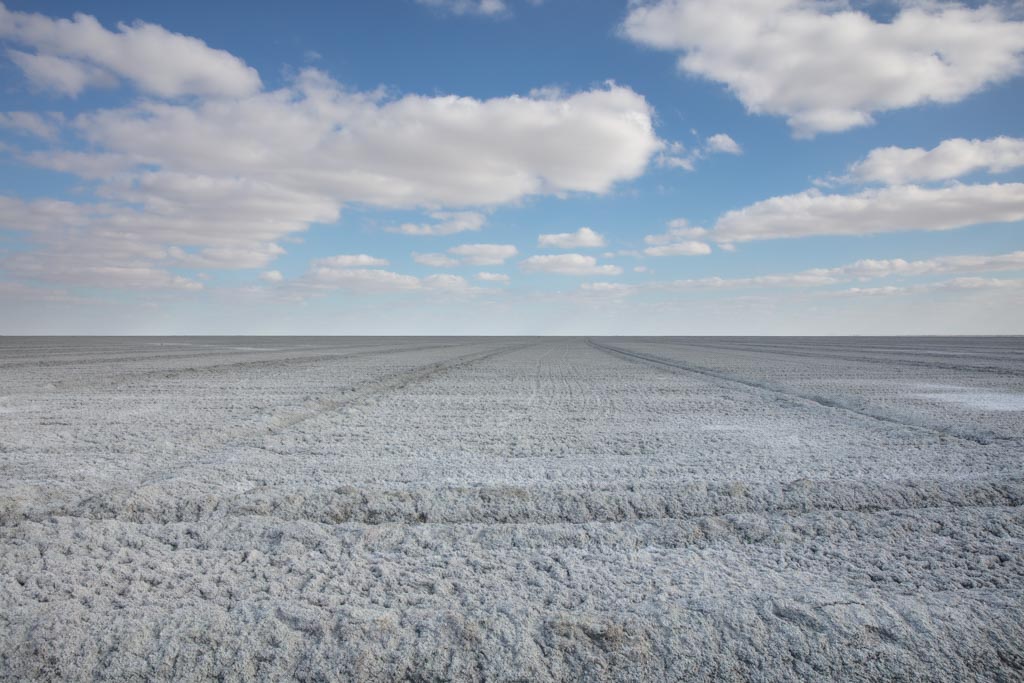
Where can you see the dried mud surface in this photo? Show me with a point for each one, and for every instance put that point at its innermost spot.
(512, 508)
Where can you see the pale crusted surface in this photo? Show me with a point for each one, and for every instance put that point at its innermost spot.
(511, 508)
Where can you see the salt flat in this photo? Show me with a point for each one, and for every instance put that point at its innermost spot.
(512, 508)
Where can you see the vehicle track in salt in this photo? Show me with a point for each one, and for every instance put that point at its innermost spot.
(252, 436)
(905, 362)
(391, 383)
(824, 402)
(271, 363)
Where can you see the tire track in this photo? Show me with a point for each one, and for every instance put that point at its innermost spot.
(775, 390)
(280, 362)
(393, 383)
(250, 436)
(992, 369)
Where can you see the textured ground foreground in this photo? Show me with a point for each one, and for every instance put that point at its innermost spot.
(512, 508)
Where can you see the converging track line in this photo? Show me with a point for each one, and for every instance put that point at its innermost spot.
(793, 396)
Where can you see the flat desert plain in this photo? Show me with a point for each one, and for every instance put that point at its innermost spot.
(512, 508)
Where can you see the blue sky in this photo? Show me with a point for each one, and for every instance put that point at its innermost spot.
(697, 167)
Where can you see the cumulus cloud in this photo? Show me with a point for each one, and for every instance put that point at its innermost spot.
(435, 260)
(676, 155)
(889, 209)
(322, 278)
(492, 277)
(722, 143)
(364, 279)
(583, 238)
(826, 67)
(950, 159)
(446, 223)
(71, 54)
(680, 239)
(251, 171)
(272, 276)
(315, 136)
(350, 260)
(678, 229)
(468, 254)
(686, 248)
(484, 254)
(217, 179)
(446, 281)
(568, 264)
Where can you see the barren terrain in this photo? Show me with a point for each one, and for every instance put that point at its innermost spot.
(512, 508)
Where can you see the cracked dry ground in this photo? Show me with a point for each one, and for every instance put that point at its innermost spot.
(512, 508)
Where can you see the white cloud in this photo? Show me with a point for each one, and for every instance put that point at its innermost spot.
(70, 239)
(720, 142)
(446, 223)
(484, 254)
(216, 180)
(272, 276)
(865, 269)
(956, 284)
(364, 279)
(235, 256)
(857, 271)
(607, 287)
(583, 238)
(45, 127)
(889, 209)
(71, 54)
(877, 268)
(678, 229)
(568, 264)
(70, 268)
(322, 278)
(484, 7)
(65, 76)
(446, 281)
(434, 260)
(950, 159)
(678, 240)
(685, 163)
(675, 154)
(492, 277)
(20, 293)
(687, 248)
(350, 260)
(317, 137)
(826, 67)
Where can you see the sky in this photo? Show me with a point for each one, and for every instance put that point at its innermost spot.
(454, 167)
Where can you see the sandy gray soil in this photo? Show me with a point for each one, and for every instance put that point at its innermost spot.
(512, 508)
